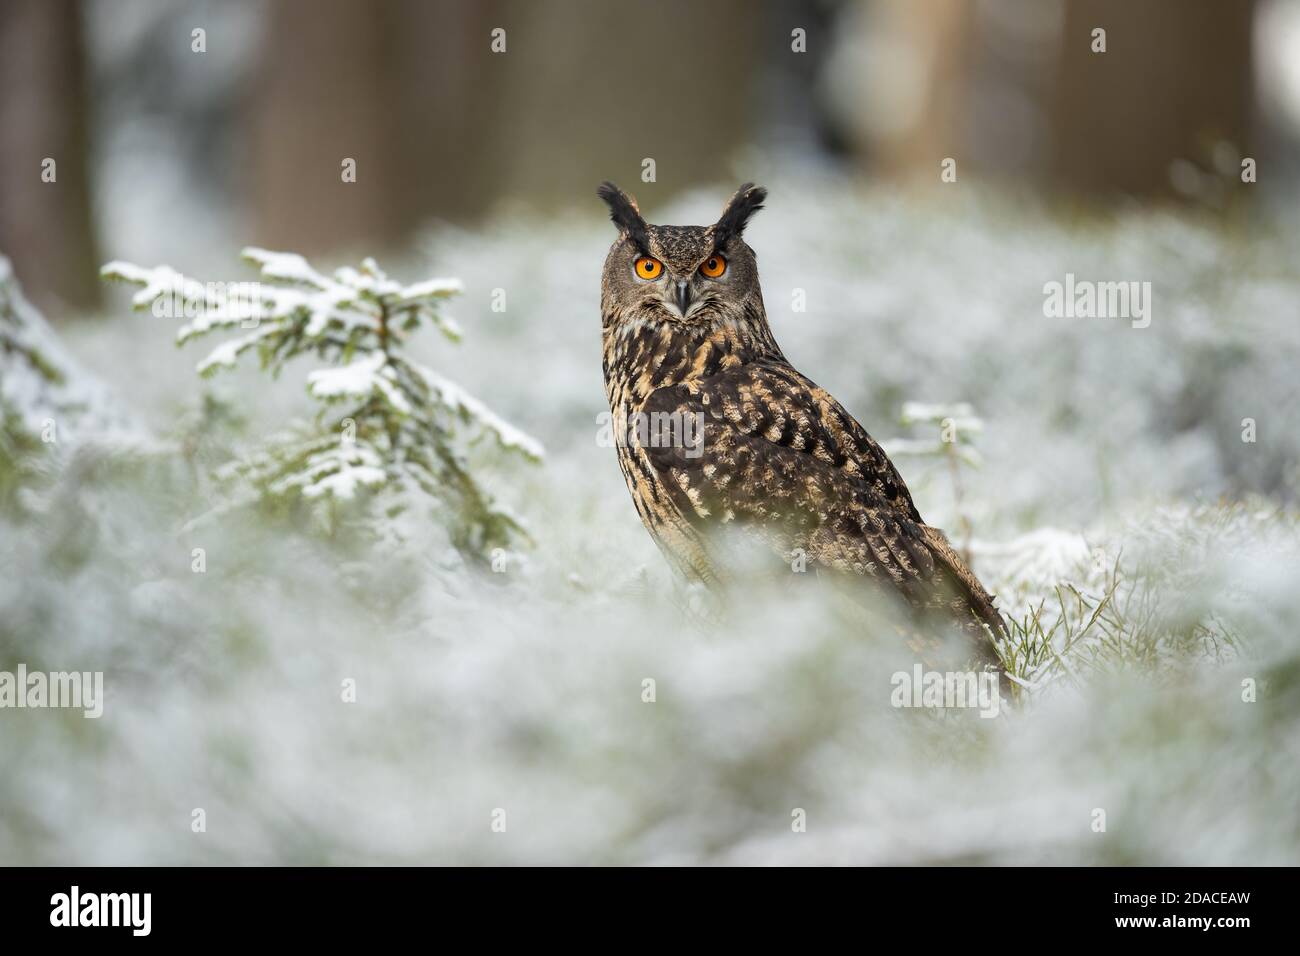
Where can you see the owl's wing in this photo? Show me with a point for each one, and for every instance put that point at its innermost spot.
(780, 454)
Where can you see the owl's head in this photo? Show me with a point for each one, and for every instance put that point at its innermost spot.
(683, 274)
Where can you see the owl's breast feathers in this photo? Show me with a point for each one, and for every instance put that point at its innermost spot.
(780, 457)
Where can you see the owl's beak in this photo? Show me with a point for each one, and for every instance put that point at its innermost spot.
(683, 296)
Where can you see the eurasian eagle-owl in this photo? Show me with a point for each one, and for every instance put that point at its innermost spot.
(719, 431)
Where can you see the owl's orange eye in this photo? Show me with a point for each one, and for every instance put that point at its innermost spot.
(714, 266)
(648, 268)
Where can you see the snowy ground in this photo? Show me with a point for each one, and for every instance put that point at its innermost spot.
(1104, 446)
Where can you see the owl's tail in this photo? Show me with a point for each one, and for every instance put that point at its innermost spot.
(968, 597)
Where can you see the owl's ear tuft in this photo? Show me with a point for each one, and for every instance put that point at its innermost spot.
(623, 212)
(747, 200)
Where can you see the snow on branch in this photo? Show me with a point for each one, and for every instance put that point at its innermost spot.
(385, 422)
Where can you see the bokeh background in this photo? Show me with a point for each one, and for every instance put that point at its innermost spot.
(1107, 494)
(242, 143)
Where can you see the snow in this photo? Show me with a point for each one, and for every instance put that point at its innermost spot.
(1040, 558)
(286, 266)
(361, 378)
(338, 471)
(913, 446)
(453, 396)
(353, 301)
(431, 289)
(522, 689)
(344, 482)
(82, 406)
(922, 412)
(227, 353)
(354, 380)
(155, 283)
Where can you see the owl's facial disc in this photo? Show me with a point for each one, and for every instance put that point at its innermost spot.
(674, 285)
(668, 280)
(675, 293)
(700, 275)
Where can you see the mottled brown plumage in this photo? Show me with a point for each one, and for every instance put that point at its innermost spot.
(779, 459)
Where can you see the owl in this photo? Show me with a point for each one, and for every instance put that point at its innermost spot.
(721, 438)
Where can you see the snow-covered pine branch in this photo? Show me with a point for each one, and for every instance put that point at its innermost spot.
(386, 422)
(41, 382)
(954, 428)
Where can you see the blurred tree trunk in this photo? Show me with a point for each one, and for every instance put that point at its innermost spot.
(448, 95)
(324, 95)
(1175, 79)
(940, 34)
(46, 228)
(1013, 90)
(596, 88)
(443, 127)
(401, 87)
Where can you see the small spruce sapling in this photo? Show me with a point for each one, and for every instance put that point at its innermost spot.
(387, 424)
